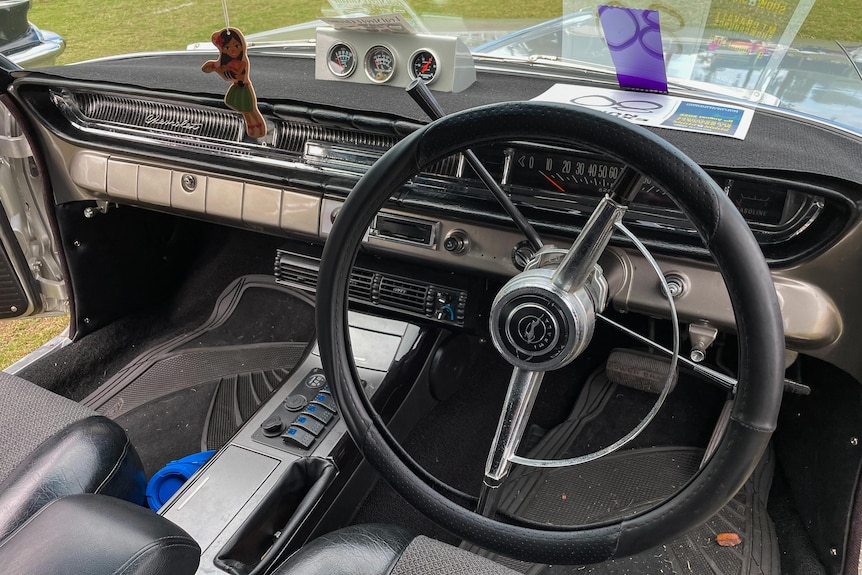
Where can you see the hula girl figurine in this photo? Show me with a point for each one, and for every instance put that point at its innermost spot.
(233, 65)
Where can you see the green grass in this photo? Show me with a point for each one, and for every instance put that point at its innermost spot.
(834, 19)
(94, 28)
(20, 337)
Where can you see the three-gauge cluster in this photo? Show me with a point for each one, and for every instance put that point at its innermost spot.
(379, 63)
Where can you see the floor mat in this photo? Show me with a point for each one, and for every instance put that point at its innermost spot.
(197, 389)
(627, 482)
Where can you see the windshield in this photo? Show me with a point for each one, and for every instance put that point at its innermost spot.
(795, 54)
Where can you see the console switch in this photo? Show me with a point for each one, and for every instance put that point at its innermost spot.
(298, 437)
(325, 400)
(309, 424)
(319, 413)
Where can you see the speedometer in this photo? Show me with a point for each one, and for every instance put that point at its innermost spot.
(562, 173)
(571, 175)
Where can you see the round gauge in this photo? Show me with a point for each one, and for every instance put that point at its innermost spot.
(379, 64)
(341, 60)
(423, 65)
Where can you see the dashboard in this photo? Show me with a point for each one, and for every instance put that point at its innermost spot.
(179, 151)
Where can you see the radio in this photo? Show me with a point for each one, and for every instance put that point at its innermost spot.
(405, 230)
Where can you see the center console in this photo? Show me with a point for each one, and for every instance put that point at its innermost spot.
(255, 500)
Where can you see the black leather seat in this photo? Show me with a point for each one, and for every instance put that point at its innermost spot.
(55, 451)
(379, 549)
(54, 447)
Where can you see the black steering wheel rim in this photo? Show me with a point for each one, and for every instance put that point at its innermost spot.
(725, 234)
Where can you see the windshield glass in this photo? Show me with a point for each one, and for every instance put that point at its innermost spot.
(803, 55)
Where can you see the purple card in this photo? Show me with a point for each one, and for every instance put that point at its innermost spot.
(634, 39)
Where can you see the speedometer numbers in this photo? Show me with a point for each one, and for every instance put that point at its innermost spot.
(571, 175)
(562, 174)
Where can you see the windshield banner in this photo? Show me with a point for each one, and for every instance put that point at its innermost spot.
(657, 110)
(712, 41)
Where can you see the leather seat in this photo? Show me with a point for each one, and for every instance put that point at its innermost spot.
(54, 447)
(379, 549)
(54, 451)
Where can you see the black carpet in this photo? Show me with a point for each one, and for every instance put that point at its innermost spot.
(78, 369)
(194, 391)
(170, 427)
(468, 420)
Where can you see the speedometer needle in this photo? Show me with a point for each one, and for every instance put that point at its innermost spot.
(425, 67)
(553, 183)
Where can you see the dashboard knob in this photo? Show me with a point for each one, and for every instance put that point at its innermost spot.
(676, 283)
(457, 242)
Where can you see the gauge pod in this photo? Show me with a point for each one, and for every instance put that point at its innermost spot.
(424, 66)
(341, 60)
(379, 64)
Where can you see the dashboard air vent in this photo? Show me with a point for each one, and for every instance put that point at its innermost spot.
(383, 290)
(403, 294)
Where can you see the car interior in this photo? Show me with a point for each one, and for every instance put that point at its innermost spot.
(335, 309)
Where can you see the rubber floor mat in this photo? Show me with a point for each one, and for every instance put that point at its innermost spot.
(257, 333)
(627, 482)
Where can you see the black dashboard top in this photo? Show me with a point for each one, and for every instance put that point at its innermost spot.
(776, 142)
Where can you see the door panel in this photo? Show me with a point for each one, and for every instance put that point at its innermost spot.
(31, 276)
(13, 297)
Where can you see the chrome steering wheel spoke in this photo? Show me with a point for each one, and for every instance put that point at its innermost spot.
(582, 257)
(523, 389)
(536, 293)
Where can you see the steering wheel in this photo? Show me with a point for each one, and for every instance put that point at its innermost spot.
(562, 301)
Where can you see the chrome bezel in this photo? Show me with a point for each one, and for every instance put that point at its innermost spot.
(413, 57)
(343, 73)
(366, 63)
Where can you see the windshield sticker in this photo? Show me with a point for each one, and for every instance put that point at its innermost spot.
(385, 23)
(359, 8)
(738, 44)
(634, 39)
(657, 110)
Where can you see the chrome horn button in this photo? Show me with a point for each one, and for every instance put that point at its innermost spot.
(532, 328)
(537, 326)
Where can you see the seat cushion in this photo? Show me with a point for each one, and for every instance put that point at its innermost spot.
(29, 415)
(97, 535)
(53, 447)
(370, 549)
(425, 556)
(379, 549)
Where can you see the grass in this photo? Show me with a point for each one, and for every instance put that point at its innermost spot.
(23, 336)
(94, 28)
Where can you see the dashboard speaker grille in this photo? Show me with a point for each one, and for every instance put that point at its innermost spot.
(160, 117)
(213, 129)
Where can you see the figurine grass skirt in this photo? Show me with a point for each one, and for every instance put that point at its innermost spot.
(240, 98)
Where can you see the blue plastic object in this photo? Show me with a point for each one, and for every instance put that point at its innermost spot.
(171, 477)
